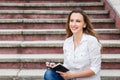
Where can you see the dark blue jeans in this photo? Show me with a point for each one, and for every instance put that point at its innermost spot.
(50, 74)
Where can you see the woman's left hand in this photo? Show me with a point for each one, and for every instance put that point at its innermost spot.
(65, 75)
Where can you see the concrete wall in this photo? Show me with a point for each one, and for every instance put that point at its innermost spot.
(114, 7)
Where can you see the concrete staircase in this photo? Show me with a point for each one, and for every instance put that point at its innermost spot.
(32, 32)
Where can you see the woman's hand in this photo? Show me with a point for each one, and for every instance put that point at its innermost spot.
(50, 64)
(65, 75)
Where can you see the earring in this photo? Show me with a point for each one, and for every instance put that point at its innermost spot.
(84, 26)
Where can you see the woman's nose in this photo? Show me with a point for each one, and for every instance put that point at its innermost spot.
(74, 23)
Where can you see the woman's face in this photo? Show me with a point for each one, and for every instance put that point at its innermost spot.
(76, 23)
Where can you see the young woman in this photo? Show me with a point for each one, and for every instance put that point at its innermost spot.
(82, 51)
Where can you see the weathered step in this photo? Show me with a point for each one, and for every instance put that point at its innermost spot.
(53, 6)
(37, 61)
(37, 74)
(31, 1)
(108, 60)
(106, 34)
(48, 14)
(49, 46)
(49, 23)
(51, 34)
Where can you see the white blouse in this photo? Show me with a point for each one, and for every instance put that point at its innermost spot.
(86, 55)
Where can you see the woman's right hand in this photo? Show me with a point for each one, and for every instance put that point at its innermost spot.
(50, 64)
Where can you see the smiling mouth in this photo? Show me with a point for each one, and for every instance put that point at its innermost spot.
(74, 28)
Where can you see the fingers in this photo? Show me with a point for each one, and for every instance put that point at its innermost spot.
(65, 75)
(50, 65)
(47, 63)
(59, 72)
(62, 74)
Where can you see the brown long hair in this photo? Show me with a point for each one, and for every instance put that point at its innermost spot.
(87, 30)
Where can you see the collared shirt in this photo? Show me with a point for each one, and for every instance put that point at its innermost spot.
(87, 55)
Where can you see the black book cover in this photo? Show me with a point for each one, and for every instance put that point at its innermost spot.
(60, 67)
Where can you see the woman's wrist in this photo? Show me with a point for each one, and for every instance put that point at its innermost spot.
(71, 76)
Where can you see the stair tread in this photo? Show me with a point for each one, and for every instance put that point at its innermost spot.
(53, 4)
(50, 31)
(51, 43)
(40, 72)
(62, 20)
(50, 11)
(46, 57)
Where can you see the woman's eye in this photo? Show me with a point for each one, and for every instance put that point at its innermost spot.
(77, 20)
(71, 20)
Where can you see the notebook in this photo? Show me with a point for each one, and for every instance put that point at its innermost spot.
(60, 67)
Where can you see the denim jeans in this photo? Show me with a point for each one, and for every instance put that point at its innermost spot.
(50, 74)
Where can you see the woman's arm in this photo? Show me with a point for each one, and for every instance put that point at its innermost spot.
(80, 74)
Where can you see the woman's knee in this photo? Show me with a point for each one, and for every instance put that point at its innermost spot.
(52, 75)
(49, 74)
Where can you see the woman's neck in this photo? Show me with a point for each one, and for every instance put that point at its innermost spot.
(77, 39)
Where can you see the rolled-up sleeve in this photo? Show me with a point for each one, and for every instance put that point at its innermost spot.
(95, 55)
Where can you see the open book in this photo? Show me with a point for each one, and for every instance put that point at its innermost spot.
(60, 67)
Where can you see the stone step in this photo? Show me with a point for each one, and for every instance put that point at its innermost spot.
(49, 46)
(31, 1)
(51, 34)
(48, 14)
(49, 23)
(53, 5)
(33, 61)
(37, 74)
(56, 43)
(60, 20)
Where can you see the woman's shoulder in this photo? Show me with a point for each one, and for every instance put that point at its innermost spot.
(91, 38)
(68, 40)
